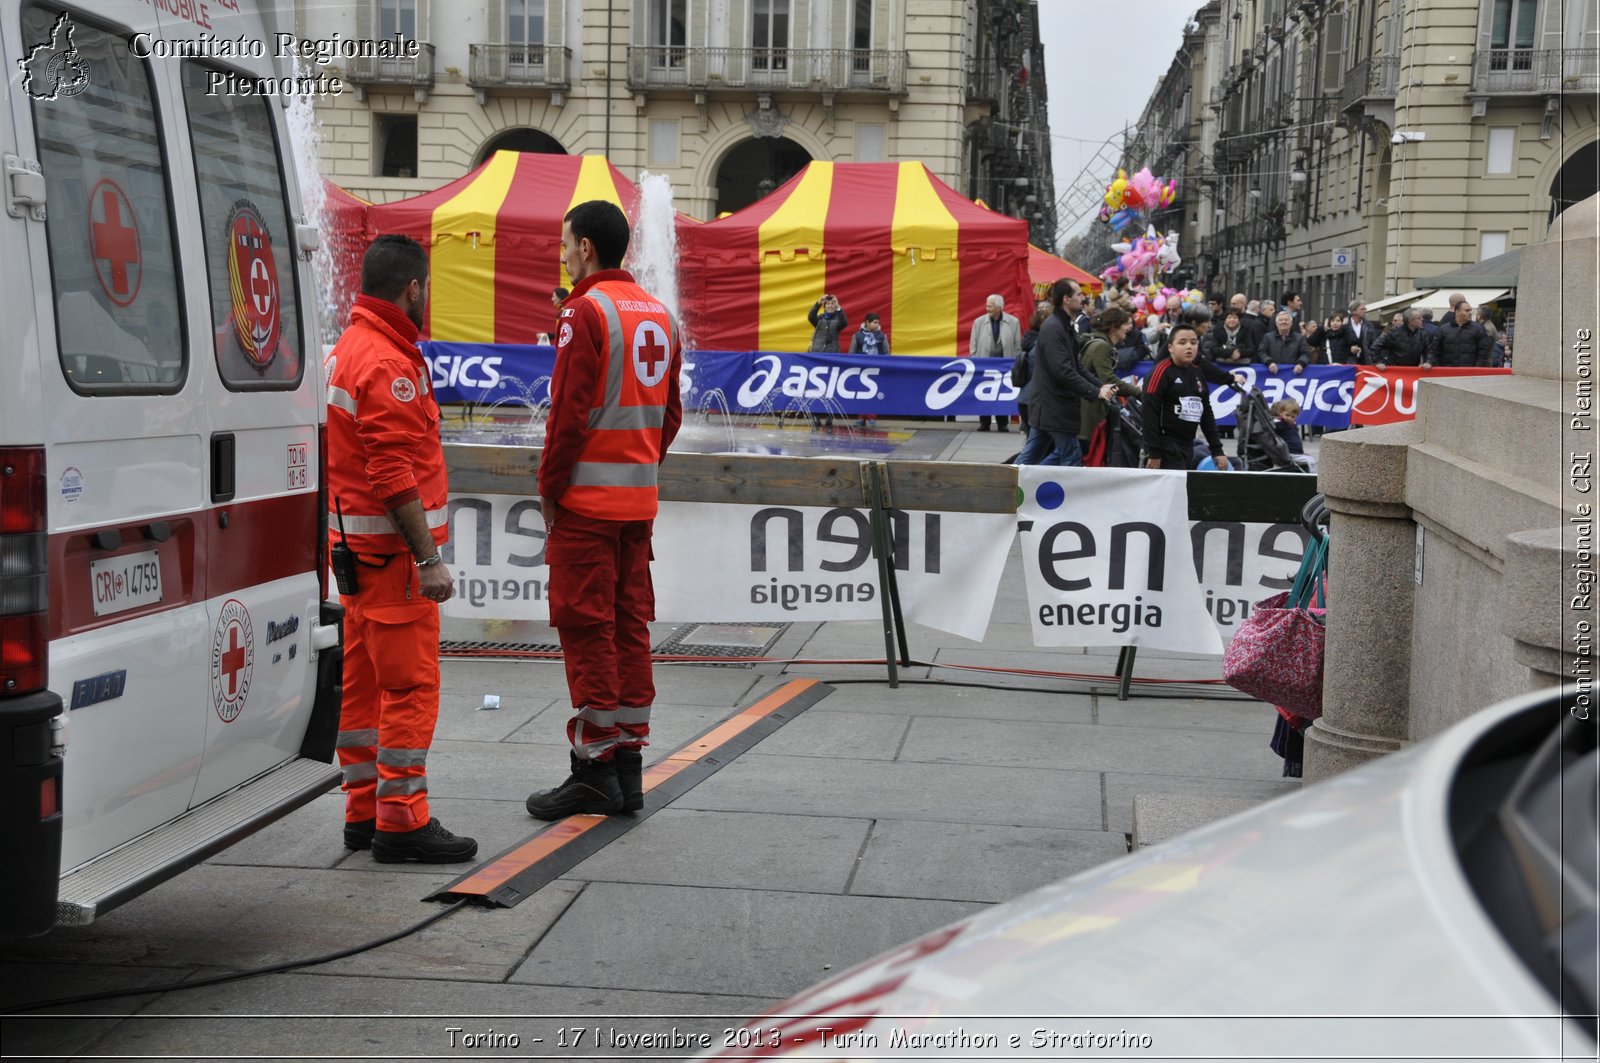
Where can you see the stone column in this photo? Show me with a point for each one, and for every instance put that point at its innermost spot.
(1540, 625)
(1366, 691)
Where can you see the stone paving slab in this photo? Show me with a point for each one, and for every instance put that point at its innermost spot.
(1121, 788)
(1090, 747)
(820, 733)
(934, 699)
(65, 1032)
(868, 672)
(750, 942)
(493, 771)
(462, 717)
(734, 850)
(1096, 662)
(973, 862)
(394, 1017)
(243, 917)
(309, 837)
(1160, 817)
(947, 793)
(1196, 714)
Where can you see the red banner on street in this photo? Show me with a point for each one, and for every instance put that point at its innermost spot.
(1390, 395)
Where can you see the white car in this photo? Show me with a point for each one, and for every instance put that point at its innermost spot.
(1438, 902)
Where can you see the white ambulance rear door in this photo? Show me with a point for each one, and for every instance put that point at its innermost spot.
(125, 421)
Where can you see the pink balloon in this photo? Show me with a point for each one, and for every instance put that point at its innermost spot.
(1160, 303)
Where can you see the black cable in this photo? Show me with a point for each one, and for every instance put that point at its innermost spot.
(289, 965)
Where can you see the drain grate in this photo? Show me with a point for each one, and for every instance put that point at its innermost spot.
(722, 640)
(458, 646)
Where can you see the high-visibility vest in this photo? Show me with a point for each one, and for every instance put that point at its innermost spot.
(614, 477)
(379, 384)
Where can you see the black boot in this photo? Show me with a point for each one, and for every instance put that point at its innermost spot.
(431, 844)
(630, 778)
(358, 833)
(592, 788)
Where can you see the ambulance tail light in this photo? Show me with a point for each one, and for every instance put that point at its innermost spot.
(23, 598)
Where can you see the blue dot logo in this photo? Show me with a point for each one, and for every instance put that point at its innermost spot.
(1049, 495)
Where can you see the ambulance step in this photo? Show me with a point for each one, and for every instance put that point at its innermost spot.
(100, 885)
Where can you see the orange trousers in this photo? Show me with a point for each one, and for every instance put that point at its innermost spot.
(391, 697)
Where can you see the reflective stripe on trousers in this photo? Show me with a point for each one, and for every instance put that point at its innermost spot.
(391, 699)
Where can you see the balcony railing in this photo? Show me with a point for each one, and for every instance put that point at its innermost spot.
(1517, 71)
(411, 73)
(1244, 234)
(497, 66)
(768, 69)
(1371, 79)
(984, 82)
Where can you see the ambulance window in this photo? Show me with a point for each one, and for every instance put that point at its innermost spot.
(250, 263)
(109, 227)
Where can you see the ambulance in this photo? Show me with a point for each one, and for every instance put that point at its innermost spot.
(169, 673)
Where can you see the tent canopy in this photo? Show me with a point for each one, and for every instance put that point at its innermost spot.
(1396, 302)
(1498, 272)
(494, 239)
(889, 238)
(1044, 269)
(1440, 299)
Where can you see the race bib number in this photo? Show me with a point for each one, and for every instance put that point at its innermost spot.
(1190, 407)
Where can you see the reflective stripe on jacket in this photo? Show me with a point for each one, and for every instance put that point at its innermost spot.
(383, 438)
(633, 411)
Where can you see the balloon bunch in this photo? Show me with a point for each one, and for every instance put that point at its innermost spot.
(1144, 257)
(1131, 199)
(1154, 299)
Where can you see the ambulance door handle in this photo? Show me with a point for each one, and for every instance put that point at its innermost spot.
(222, 469)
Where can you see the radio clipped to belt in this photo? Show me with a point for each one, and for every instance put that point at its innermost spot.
(343, 559)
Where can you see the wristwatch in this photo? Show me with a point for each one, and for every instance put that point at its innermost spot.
(425, 562)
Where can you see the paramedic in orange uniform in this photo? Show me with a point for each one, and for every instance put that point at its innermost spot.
(387, 495)
(614, 410)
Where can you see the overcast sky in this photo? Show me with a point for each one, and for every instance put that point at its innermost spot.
(1102, 61)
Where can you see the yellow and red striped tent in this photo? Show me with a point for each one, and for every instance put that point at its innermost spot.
(884, 237)
(494, 239)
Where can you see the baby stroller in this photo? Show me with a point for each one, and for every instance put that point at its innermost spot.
(1125, 433)
(1261, 449)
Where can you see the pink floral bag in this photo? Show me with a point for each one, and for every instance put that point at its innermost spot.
(1276, 655)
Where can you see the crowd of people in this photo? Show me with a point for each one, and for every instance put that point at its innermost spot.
(1072, 356)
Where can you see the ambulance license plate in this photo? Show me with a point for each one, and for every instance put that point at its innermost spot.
(125, 582)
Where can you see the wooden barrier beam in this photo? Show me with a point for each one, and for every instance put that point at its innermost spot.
(944, 486)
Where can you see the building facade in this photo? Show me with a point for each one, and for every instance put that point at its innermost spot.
(1344, 148)
(728, 98)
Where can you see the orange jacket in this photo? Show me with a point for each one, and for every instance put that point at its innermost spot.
(383, 432)
(614, 403)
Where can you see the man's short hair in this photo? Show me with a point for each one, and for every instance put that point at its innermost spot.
(1060, 290)
(1288, 297)
(873, 316)
(996, 300)
(1412, 315)
(1267, 307)
(1196, 315)
(1284, 315)
(1252, 306)
(1353, 304)
(1456, 297)
(559, 292)
(605, 226)
(390, 264)
(1427, 313)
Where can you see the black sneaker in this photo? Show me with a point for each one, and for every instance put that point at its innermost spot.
(426, 845)
(358, 834)
(630, 778)
(591, 788)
